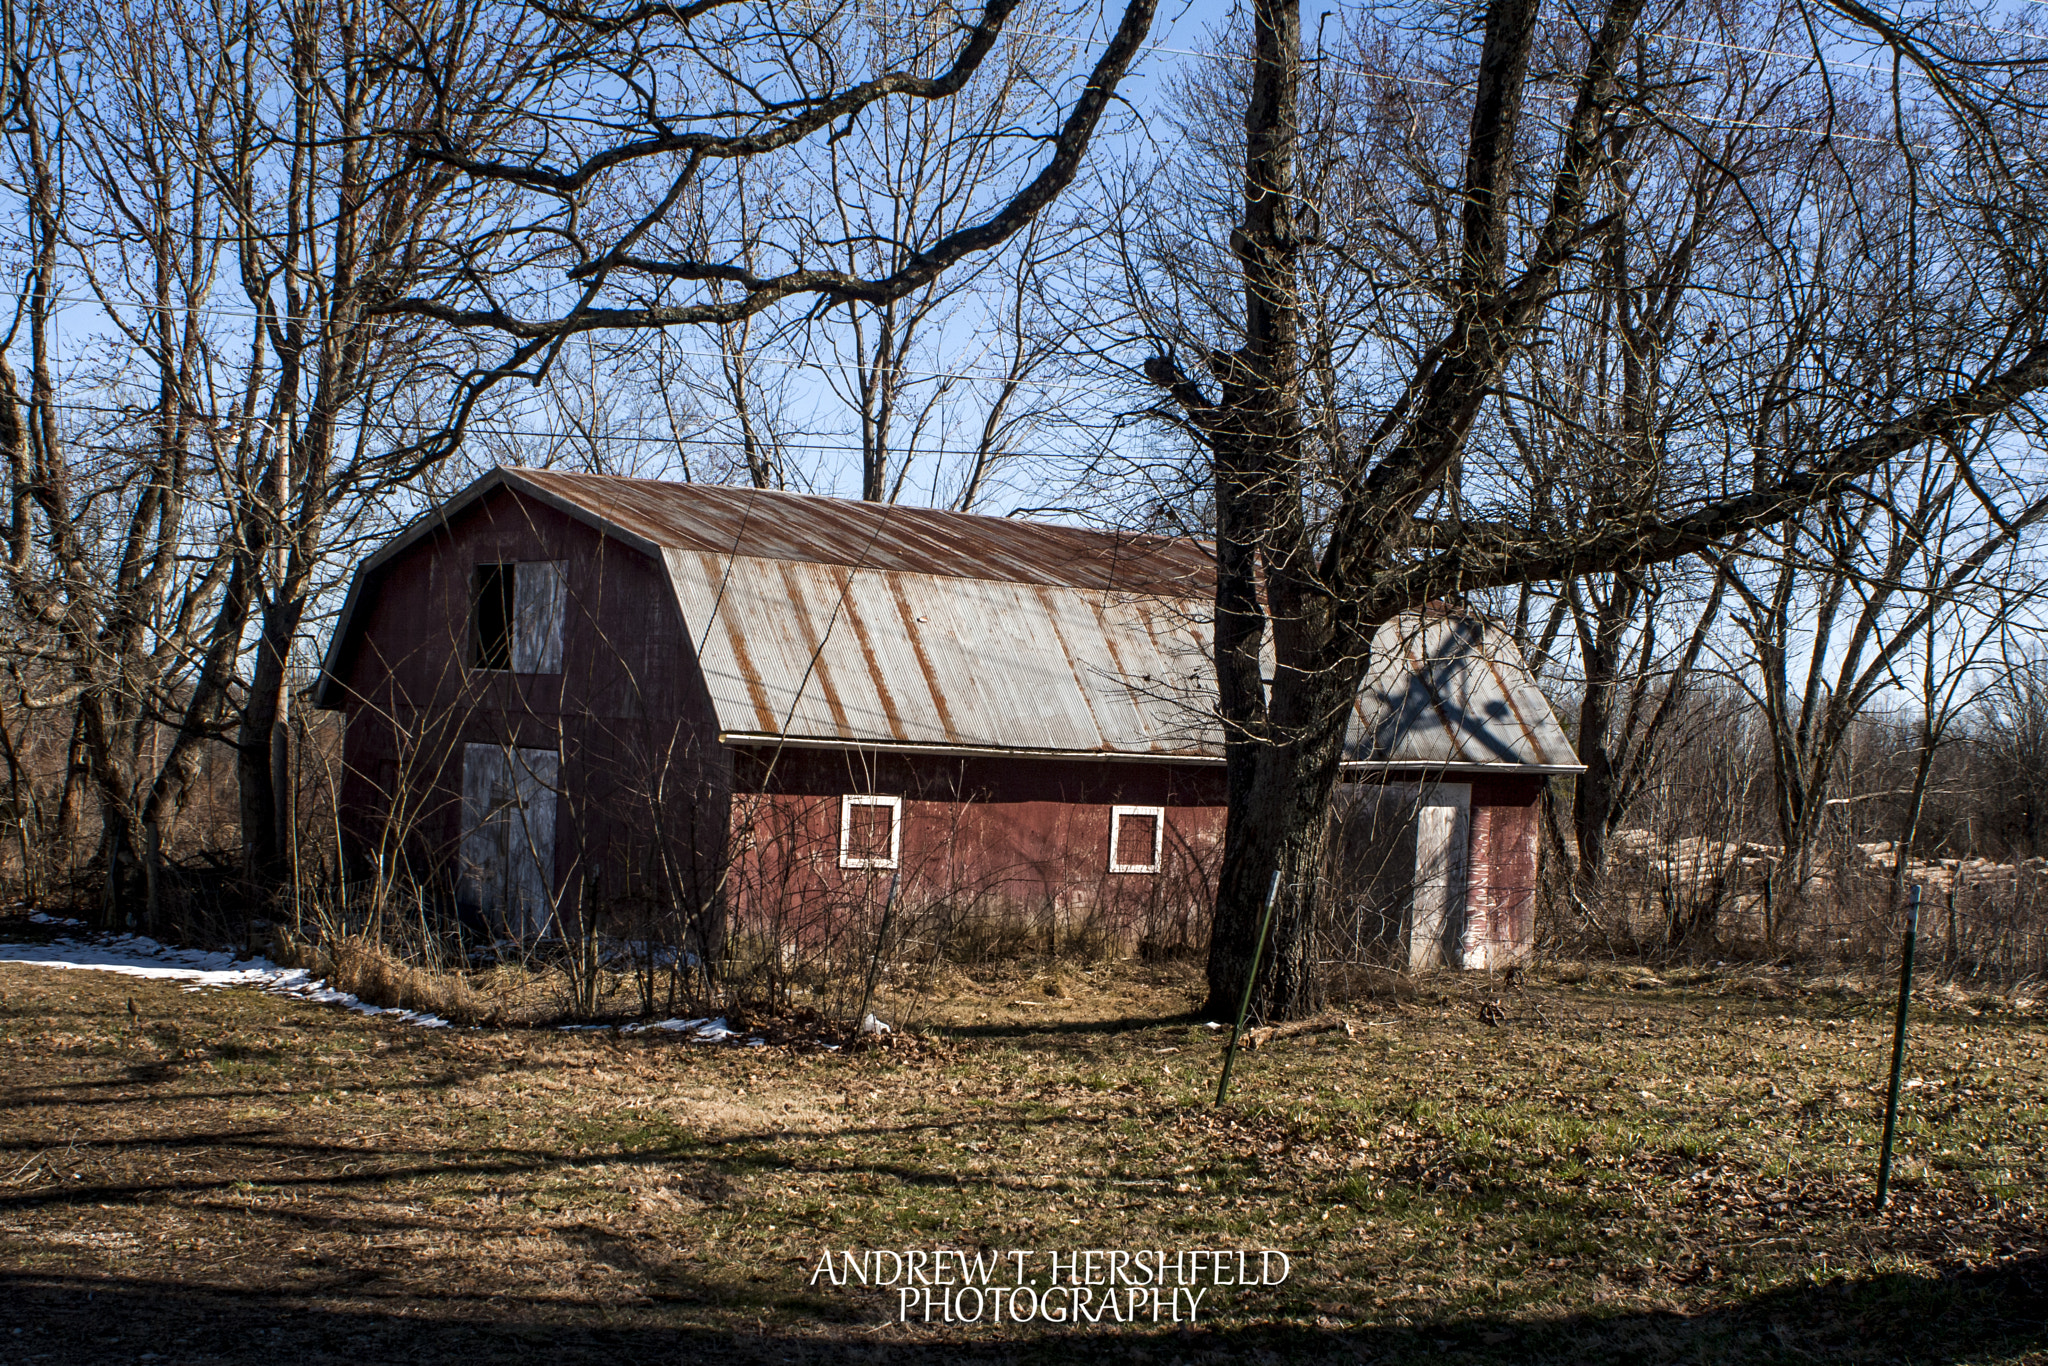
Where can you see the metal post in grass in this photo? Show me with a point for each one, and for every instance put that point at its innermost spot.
(1891, 1104)
(1251, 980)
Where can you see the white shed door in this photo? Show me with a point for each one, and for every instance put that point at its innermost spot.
(1443, 835)
(508, 842)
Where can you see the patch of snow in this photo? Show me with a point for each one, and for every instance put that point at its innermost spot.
(706, 1030)
(135, 955)
(38, 918)
(870, 1025)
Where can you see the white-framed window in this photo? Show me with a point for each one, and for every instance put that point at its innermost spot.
(1137, 834)
(870, 831)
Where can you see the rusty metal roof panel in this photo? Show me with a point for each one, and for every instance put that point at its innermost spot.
(820, 620)
(1453, 690)
(805, 528)
(827, 653)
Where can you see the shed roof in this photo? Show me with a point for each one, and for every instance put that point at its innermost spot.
(819, 621)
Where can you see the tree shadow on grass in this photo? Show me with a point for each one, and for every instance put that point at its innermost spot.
(1060, 1029)
(1968, 1315)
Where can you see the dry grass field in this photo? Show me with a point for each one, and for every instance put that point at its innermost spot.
(1610, 1167)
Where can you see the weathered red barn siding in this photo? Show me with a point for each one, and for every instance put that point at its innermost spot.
(643, 768)
(627, 712)
(1501, 879)
(1001, 834)
(1033, 836)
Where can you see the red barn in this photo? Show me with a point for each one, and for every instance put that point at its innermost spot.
(747, 707)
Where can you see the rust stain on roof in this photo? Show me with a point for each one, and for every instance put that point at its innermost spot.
(892, 716)
(1051, 603)
(917, 650)
(817, 667)
(985, 632)
(764, 713)
(804, 527)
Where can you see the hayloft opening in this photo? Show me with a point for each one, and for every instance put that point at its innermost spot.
(490, 614)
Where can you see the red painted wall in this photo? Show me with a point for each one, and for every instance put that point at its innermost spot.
(1009, 835)
(628, 712)
(647, 800)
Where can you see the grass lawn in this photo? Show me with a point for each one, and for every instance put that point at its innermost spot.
(1624, 1168)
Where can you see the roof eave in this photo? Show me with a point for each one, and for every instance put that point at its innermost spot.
(762, 739)
(1455, 766)
(768, 740)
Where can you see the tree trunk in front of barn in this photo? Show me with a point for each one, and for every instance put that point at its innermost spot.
(1281, 824)
(1323, 589)
(1284, 742)
(1279, 781)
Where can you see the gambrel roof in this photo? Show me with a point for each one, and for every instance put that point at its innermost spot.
(820, 621)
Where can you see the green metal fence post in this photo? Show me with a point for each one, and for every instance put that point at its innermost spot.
(1251, 980)
(1891, 1105)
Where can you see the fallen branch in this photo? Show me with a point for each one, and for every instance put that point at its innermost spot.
(1322, 1024)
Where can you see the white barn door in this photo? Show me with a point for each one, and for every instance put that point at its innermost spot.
(508, 842)
(1443, 837)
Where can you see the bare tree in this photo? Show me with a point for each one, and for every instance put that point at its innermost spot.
(103, 577)
(1833, 603)
(205, 187)
(631, 113)
(926, 391)
(1888, 299)
(2009, 729)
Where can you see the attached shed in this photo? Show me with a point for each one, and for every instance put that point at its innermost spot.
(761, 704)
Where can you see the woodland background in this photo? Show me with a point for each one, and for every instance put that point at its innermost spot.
(275, 270)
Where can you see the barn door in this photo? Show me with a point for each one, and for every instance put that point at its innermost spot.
(539, 593)
(1443, 836)
(508, 843)
(1372, 866)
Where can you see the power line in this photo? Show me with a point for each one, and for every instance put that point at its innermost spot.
(498, 430)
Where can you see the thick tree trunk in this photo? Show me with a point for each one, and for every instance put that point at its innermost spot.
(1319, 589)
(256, 768)
(1593, 797)
(1283, 824)
(1598, 788)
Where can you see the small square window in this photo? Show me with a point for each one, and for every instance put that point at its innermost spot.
(1137, 834)
(870, 831)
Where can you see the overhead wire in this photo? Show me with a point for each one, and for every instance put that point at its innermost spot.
(500, 430)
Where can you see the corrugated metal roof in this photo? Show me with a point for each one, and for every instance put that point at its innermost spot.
(832, 653)
(1452, 690)
(801, 527)
(822, 621)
